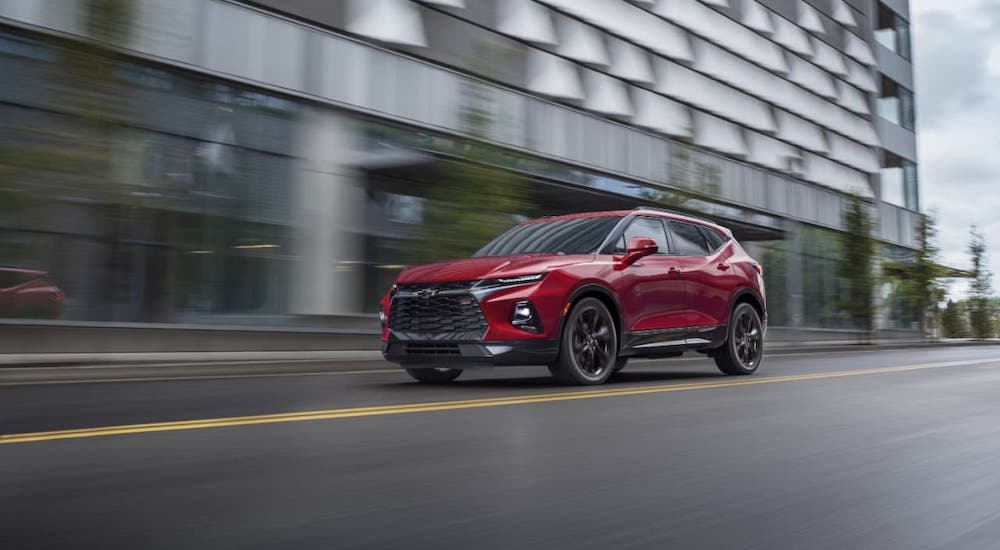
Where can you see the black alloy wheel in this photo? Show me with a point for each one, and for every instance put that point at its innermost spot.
(744, 347)
(589, 346)
(620, 364)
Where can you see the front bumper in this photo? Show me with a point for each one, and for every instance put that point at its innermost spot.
(461, 354)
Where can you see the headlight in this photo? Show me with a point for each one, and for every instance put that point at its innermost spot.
(521, 279)
(511, 281)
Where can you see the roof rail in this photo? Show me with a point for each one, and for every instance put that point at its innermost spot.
(666, 211)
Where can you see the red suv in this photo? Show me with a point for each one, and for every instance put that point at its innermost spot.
(581, 294)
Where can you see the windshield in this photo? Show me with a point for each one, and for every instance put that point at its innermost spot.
(567, 236)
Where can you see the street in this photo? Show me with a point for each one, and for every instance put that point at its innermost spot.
(884, 449)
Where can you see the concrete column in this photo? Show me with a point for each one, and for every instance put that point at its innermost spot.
(794, 293)
(882, 320)
(329, 207)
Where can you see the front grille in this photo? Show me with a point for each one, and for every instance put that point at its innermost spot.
(432, 349)
(451, 316)
(440, 287)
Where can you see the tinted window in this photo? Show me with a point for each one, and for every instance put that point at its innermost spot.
(13, 278)
(688, 239)
(644, 227)
(569, 236)
(713, 237)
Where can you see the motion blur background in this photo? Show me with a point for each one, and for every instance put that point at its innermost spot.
(277, 163)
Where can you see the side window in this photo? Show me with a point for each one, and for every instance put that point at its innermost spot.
(620, 246)
(644, 227)
(10, 279)
(712, 236)
(688, 239)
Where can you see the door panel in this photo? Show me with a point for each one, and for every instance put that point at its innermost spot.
(709, 283)
(6, 302)
(708, 277)
(653, 294)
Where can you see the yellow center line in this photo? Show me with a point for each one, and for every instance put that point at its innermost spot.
(331, 414)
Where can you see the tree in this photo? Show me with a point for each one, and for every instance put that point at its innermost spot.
(954, 323)
(77, 147)
(857, 265)
(68, 154)
(474, 199)
(920, 281)
(981, 314)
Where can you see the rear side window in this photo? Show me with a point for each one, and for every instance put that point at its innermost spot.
(644, 227)
(712, 236)
(13, 278)
(688, 239)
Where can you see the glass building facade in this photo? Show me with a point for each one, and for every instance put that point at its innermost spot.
(279, 163)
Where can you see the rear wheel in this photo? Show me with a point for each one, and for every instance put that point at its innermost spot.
(589, 345)
(744, 347)
(434, 376)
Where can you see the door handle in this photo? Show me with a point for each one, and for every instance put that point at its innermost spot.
(674, 272)
(722, 266)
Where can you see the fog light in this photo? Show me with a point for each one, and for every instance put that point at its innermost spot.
(525, 318)
(381, 316)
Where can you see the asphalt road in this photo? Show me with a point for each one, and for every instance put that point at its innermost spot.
(890, 449)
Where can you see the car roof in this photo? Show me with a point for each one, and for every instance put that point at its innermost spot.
(23, 271)
(640, 210)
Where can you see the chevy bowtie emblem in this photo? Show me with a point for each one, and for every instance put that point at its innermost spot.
(427, 293)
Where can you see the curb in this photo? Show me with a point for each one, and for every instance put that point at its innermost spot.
(126, 358)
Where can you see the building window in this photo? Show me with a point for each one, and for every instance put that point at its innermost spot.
(892, 185)
(895, 104)
(899, 183)
(893, 32)
(19, 46)
(910, 185)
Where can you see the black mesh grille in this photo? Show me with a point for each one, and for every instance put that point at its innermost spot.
(440, 287)
(432, 348)
(457, 316)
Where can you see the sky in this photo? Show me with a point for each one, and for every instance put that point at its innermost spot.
(957, 68)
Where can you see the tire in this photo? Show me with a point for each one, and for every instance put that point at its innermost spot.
(744, 348)
(588, 346)
(434, 376)
(619, 364)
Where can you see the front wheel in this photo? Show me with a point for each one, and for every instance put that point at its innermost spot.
(744, 347)
(434, 376)
(589, 345)
(619, 364)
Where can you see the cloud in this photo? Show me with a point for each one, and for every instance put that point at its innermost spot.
(950, 73)
(993, 60)
(957, 57)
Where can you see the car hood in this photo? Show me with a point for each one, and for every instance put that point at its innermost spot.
(489, 267)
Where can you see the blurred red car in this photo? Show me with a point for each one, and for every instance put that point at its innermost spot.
(28, 293)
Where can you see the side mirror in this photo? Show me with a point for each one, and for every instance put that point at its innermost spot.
(638, 247)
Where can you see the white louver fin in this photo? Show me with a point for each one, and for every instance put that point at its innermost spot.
(527, 20)
(389, 21)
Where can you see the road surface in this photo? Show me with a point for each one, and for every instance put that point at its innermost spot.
(888, 449)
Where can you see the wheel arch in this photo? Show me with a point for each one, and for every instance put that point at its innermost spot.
(605, 295)
(749, 296)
